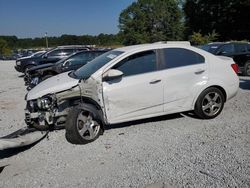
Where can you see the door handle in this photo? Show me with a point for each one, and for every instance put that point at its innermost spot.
(154, 81)
(199, 71)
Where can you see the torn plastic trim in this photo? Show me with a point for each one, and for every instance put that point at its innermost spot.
(22, 137)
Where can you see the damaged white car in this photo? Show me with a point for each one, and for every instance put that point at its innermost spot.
(132, 83)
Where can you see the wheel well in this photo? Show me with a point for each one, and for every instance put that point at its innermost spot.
(222, 90)
(76, 100)
(87, 101)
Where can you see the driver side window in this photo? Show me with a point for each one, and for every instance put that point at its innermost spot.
(139, 63)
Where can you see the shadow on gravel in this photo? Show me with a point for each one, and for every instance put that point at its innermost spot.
(245, 84)
(138, 122)
(21, 76)
(191, 114)
(2, 168)
(14, 151)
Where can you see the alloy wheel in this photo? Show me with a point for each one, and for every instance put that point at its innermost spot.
(212, 103)
(86, 126)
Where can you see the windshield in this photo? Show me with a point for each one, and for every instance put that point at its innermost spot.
(38, 54)
(62, 60)
(87, 70)
(211, 48)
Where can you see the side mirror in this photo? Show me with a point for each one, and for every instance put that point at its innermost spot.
(67, 63)
(112, 74)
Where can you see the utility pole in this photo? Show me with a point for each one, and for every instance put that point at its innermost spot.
(46, 39)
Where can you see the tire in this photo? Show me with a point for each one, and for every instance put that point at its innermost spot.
(81, 128)
(247, 69)
(210, 103)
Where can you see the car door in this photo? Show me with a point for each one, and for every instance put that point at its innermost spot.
(139, 93)
(185, 72)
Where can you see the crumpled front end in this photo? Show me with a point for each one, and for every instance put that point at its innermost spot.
(49, 110)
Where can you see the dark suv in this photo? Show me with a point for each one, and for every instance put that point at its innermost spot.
(239, 51)
(36, 74)
(51, 56)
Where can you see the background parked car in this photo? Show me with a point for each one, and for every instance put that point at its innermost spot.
(39, 73)
(35, 54)
(51, 56)
(239, 51)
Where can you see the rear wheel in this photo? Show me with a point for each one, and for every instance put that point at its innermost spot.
(247, 69)
(210, 103)
(81, 127)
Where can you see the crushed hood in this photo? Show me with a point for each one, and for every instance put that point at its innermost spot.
(54, 84)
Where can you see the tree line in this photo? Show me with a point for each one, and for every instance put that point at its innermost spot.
(144, 21)
(100, 40)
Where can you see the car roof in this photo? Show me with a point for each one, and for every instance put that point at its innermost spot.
(154, 45)
(229, 42)
(90, 51)
(72, 46)
(215, 43)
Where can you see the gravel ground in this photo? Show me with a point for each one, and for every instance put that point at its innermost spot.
(177, 150)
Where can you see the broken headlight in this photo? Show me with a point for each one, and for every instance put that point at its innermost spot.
(32, 105)
(44, 102)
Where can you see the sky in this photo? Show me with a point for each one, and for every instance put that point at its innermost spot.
(33, 18)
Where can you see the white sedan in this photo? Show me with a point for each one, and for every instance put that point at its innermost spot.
(132, 83)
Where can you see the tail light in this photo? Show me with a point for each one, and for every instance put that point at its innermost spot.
(235, 68)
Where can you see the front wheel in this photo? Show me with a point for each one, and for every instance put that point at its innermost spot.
(210, 103)
(81, 127)
(247, 69)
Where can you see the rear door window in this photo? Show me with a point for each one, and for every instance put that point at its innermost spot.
(179, 57)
